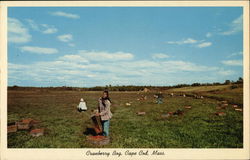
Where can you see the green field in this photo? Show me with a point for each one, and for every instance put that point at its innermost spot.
(200, 88)
(65, 127)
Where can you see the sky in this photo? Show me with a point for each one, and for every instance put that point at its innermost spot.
(97, 46)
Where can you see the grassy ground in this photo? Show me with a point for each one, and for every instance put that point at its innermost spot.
(200, 88)
(220, 92)
(65, 126)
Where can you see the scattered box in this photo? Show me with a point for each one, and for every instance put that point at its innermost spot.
(170, 113)
(35, 123)
(238, 109)
(188, 107)
(220, 113)
(141, 113)
(28, 120)
(24, 124)
(98, 140)
(12, 127)
(223, 102)
(37, 132)
(128, 104)
(235, 106)
(224, 106)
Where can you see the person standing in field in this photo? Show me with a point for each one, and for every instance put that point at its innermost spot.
(159, 98)
(104, 104)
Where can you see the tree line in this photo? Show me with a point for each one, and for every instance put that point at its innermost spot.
(125, 87)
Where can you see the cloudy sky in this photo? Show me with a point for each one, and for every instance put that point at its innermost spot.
(93, 46)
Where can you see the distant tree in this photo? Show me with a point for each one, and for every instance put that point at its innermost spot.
(196, 84)
(240, 80)
(15, 86)
(227, 82)
(234, 86)
(216, 83)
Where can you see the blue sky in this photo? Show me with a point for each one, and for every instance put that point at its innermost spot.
(93, 46)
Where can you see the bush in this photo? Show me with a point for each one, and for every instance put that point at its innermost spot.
(234, 86)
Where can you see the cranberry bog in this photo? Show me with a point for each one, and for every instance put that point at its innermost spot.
(206, 123)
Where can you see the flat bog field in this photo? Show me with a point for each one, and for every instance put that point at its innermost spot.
(193, 117)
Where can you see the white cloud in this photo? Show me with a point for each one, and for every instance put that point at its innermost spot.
(73, 58)
(71, 44)
(209, 35)
(232, 62)
(199, 43)
(106, 56)
(235, 26)
(38, 50)
(204, 44)
(91, 68)
(17, 32)
(43, 28)
(70, 70)
(160, 56)
(65, 37)
(49, 29)
(33, 25)
(64, 14)
(235, 54)
(16, 66)
(186, 66)
(189, 41)
(226, 72)
(184, 41)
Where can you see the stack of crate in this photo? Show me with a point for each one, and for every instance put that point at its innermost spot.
(12, 127)
(26, 124)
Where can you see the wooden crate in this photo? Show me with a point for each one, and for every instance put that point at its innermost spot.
(141, 113)
(223, 102)
(188, 107)
(220, 113)
(24, 124)
(37, 132)
(12, 127)
(28, 120)
(238, 109)
(35, 123)
(235, 106)
(97, 124)
(98, 140)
